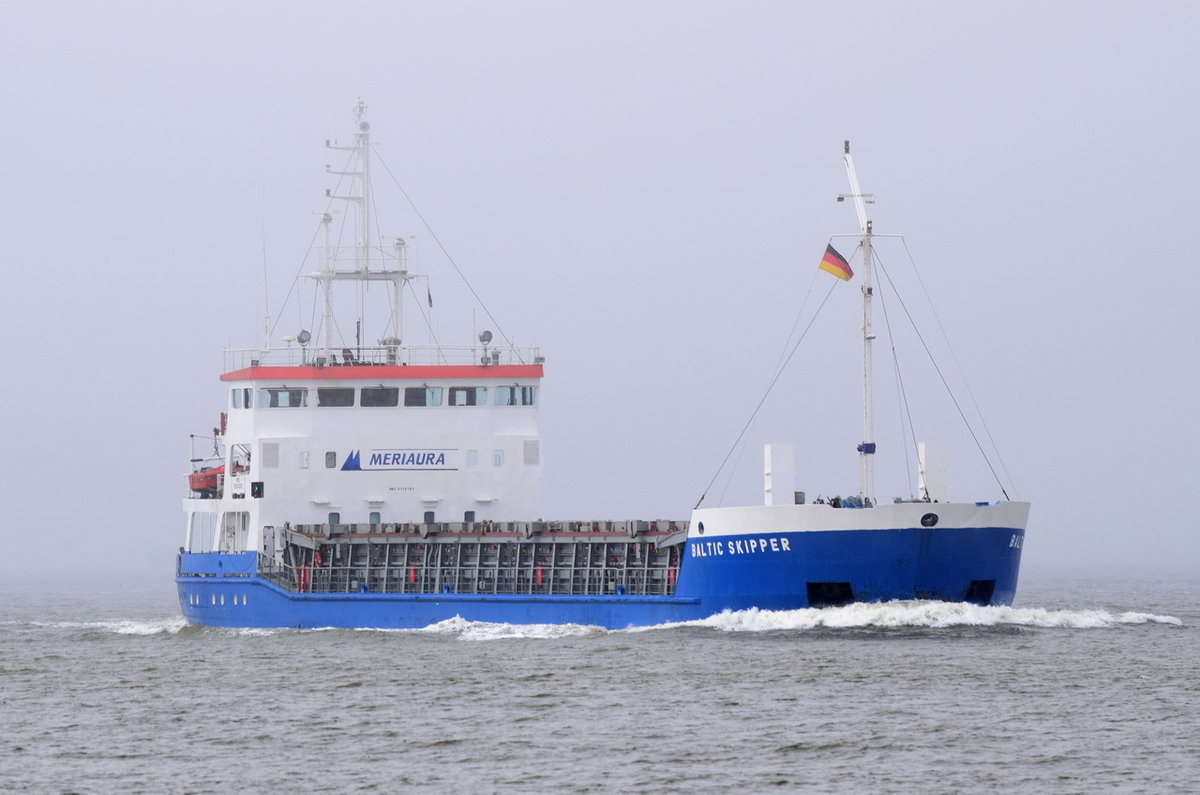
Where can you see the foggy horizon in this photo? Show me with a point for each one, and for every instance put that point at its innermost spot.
(644, 192)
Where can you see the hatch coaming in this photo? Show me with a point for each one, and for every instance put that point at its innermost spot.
(634, 558)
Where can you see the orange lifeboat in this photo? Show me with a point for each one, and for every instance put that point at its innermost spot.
(205, 481)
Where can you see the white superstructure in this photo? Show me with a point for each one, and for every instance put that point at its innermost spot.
(341, 435)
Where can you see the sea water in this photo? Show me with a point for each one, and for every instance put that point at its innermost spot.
(1090, 682)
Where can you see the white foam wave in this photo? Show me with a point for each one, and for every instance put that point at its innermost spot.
(916, 614)
(482, 630)
(934, 615)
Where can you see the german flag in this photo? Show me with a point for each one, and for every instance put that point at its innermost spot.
(836, 264)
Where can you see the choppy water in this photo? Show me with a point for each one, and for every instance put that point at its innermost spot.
(1090, 682)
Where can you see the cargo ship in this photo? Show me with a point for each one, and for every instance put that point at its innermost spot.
(395, 485)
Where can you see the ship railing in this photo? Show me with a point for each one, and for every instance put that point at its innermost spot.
(541, 566)
(631, 528)
(390, 355)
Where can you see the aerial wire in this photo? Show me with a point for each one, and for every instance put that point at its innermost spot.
(946, 384)
(904, 406)
(449, 258)
(779, 363)
(779, 372)
(954, 356)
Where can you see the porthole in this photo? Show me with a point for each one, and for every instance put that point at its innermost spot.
(700, 528)
(929, 520)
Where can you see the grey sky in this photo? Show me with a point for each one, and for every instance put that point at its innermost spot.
(643, 190)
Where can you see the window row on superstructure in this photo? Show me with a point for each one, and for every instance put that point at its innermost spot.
(280, 397)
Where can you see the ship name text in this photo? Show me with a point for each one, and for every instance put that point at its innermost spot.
(747, 546)
(397, 459)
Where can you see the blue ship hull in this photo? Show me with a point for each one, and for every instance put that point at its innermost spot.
(769, 571)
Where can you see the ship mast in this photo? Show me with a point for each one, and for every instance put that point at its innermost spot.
(360, 197)
(360, 184)
(866, 450)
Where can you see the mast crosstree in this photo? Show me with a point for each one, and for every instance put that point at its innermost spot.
(360, 198)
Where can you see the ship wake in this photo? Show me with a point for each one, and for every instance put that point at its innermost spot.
(921, 614)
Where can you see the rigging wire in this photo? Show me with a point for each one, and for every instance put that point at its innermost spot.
(307, 253)
(426, 315)
(336, 330)
(313, 323)
(763, 399)
(437, 240)
(799, 314)
(295, 279)
(946, 384)
(903, 407)
(958, 365)
(779, 364)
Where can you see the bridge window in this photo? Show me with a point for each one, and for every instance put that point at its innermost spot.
(422, 396)
(498, 458)
(380, 396)
(515, 395)
(242, 398)
(331, 459)
(468, 396)
(282, 397)
(335, 396)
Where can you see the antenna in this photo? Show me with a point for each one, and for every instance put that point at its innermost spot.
(860, 199)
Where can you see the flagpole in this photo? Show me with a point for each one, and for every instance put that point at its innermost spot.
(866, 450)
